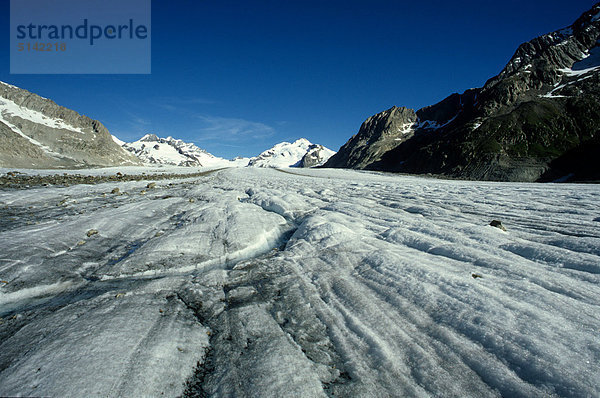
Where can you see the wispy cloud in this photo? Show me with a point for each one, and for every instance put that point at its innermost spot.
(231, 129)
(139, 122)
(185, 118)
(207, 127)
(181, 104)
(132, 127)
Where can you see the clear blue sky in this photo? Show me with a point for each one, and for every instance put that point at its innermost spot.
(236, 77)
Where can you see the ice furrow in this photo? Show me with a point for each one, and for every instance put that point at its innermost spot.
(309, 283)
(470, 325)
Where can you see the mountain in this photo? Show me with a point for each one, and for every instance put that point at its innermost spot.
(538, 120)
(316, 155)
(35, 132)
(300, 153)
(377, 135)
(151, 149)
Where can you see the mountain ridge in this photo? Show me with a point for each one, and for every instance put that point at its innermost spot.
(35, 132)
(151, 149)
(300, 153)
(524, 124)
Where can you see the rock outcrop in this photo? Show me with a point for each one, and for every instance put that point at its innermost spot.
(316, 155)
(377, 135)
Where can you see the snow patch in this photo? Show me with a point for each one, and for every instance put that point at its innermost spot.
(117, 141)
(9, 108)
(17, 130)
(434, 125)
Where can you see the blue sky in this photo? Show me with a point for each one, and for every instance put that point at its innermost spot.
(236, 77)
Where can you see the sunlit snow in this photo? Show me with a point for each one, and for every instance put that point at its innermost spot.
(288, 154)
(9, 109)
(170, 151)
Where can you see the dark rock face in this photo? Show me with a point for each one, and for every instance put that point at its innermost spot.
(315, 156)
(35, 132)
(377, 135)
(538, 120)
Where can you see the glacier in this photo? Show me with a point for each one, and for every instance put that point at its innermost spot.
(300, 282)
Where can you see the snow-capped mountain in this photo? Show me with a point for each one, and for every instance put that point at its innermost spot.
(300, 153)
(118, 141)
(35, 132)
(152, 149)
(316, 155)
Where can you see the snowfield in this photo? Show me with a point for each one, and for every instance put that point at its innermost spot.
(303, 282)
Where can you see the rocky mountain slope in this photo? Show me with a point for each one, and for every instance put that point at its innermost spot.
(35, 132)
(538, 120)
(300, 153)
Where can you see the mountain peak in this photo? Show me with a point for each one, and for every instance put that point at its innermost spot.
(38, 133)
(543, 57)
(588, 17)
(302, 141)
(538, 119)
(287, 154)
(377, 135)
(149, 138)
(152, 149)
